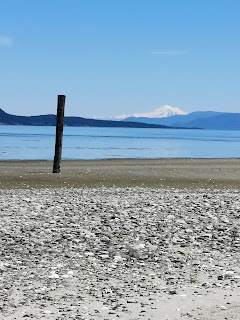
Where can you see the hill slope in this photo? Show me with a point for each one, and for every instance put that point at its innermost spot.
(227, 121)
(205, 120)
(168, 121)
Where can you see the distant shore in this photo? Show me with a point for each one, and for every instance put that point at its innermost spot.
(174, 173)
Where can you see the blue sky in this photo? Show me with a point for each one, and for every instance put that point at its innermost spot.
(114, 57)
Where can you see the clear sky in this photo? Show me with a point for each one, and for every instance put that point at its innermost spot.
(112, 57)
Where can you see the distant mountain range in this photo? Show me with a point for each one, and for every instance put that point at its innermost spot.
(50, 120)
(204, 120)
(199, 119)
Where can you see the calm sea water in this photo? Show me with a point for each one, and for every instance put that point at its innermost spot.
(22, 142)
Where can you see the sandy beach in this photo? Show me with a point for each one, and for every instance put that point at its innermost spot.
(120, 239)
(174, 173)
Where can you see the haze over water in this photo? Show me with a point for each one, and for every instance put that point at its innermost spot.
(37, 143)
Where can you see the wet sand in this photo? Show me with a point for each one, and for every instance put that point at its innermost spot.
(174, 173)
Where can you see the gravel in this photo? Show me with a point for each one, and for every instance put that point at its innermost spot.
(108, 253)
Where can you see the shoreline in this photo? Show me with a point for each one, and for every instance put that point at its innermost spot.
(176, 173)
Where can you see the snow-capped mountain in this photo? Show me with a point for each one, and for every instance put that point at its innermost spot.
(162, 112)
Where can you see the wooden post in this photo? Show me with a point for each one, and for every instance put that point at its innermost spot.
(59, 133)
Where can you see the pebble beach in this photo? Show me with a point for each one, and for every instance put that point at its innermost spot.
(111, 249)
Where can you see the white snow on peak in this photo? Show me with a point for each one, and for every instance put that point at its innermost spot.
(162, 112)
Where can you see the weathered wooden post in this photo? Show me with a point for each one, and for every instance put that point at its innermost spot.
(59, 134)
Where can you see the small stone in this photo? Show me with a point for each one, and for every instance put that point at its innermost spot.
(172, 292)
(223, 308)
(131, 301)
(54, 276)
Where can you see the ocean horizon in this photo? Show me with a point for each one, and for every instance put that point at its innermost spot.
(87, 143)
